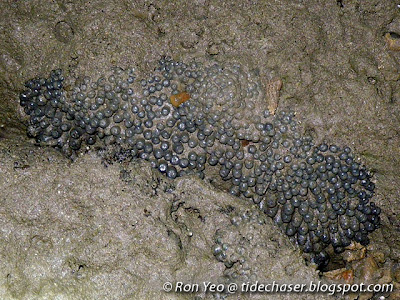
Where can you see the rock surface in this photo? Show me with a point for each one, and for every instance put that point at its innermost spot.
(84, 230)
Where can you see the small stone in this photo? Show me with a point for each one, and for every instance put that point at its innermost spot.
(212, 49)
(392, 41)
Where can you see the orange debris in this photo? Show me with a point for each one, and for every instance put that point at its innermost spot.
(343, 274)
(245, 143)
(348, 276)
(180, 98)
